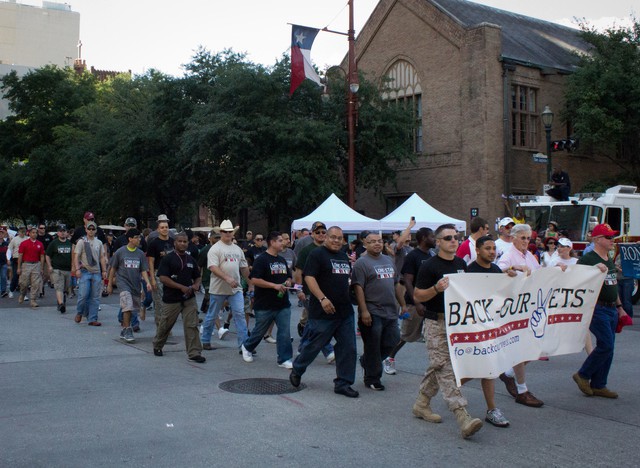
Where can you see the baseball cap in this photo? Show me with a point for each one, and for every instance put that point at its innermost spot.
(249, 232)
(89, 215)
(506, 221)
(91, 223)
(603, 230)
(566, 242)
(130, 222)
(318, 224)
(62, 227)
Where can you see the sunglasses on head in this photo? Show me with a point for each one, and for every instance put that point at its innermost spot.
(449, 238)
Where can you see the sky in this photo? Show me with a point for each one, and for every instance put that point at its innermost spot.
(138, 35)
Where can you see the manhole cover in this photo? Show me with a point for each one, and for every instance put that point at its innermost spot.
(260, 386)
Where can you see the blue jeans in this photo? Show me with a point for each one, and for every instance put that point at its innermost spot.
(236, 302)
(264, 318)
(3, 278)
(319, 333)
(378, 341)
(135, 321)
(89, 289)
(603, 326)
(625, 291)
(14, 277)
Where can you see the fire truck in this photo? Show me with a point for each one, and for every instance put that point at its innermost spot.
(618, 206)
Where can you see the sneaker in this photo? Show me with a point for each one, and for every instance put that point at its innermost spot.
(246, 355)
(376, 386)
(157, 352)
(389, 366)
(528, 399)
(62, 308)
(331, 358)
(222, 332)
(199, 359)
(207, 346)
(496, 418)
(136, 329)
(286, 364)
(10, 295)
(4, 294)
(127, 335)
(270, 339)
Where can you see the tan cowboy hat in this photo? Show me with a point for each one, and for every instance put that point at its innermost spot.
(226, 225)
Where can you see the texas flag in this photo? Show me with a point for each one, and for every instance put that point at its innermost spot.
(301, 68)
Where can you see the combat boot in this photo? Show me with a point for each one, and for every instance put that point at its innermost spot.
(421, 409)
(468, 425)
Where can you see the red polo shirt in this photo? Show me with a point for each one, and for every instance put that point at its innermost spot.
(31, 250)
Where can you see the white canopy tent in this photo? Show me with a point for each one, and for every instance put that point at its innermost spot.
(334, 212)
(426, 216)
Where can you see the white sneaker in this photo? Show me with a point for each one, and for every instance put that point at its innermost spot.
(331, 358)
(222, 332)
(10, 295)
(270, 339)
(286, 364)
(246, 355)
(389, 366)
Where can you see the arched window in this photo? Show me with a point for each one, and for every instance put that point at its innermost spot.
(402, 85)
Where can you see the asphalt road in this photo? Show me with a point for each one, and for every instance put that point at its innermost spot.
(75, 396)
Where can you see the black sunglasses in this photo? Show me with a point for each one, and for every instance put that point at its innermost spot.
(91, 229)
(449, 238)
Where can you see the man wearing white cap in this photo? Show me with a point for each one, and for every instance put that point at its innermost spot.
(504, 241)
(227, 262)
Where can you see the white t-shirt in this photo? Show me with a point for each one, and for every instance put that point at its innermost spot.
(501, 247)
(230, 259)
(556, 260)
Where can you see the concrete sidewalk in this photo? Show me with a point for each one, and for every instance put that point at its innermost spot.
(76, 396)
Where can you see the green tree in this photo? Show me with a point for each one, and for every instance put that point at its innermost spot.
(603, 96)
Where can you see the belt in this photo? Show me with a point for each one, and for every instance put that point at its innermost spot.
(606, 304)
(30, 262)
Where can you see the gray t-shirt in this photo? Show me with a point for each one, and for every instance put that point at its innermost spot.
(377, 276)
(130, 266)
(290, 256)
(400, 255)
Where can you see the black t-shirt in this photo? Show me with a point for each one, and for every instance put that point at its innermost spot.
(182, 269)
(254, 252)
(193, 250)
(157, 249)
(473, 267)
(122, 240)
(412, 263)
(332, 271)
(274, 270)
(45, 239)
(430, 273)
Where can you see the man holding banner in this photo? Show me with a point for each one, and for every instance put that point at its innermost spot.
(430, 285)
(592, 376)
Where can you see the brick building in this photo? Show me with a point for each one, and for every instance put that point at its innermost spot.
(478, 79)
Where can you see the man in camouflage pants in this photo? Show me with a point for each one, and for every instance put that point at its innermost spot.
(429, 288)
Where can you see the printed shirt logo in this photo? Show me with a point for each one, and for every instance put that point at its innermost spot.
(278, 268)
(610, 279)
(132, 263)
(64, 250)
(385, 272)
(232, 258)
(189, 265)
(340, 267)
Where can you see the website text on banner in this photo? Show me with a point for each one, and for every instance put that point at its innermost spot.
(494, 321)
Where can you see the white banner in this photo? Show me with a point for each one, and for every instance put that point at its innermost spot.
(495, 321)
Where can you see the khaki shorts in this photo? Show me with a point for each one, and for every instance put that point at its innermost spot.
(411, 328)
(129, 302)
(61, 280)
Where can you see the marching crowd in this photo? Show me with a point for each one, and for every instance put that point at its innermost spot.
(386, 281)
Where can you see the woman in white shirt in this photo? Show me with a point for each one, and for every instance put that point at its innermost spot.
(563, 256)
(550, 253)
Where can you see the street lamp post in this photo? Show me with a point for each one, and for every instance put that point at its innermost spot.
(351, 111)
(547, 121)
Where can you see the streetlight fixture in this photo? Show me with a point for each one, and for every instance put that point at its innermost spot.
(547, 121)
